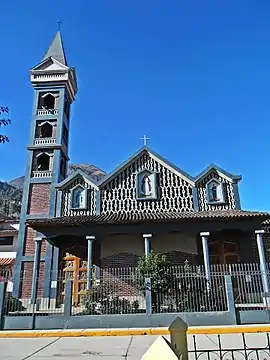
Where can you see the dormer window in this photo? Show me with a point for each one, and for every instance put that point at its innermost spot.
(79, 197)
(215, 192)
(43, 162)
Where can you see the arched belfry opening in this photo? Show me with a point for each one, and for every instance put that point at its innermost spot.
(49, 101)
(46, 130)
(43, 162)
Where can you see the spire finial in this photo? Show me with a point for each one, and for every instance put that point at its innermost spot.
(60, 22)
(145, 139)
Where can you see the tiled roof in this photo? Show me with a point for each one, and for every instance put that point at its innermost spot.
(6, 261)
(126, 218)
(8, 232)
(5, 218)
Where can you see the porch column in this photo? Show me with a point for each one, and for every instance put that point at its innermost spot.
(147, 244)
(36, 266)
(90, 242)
(259, 237)
(206, 260)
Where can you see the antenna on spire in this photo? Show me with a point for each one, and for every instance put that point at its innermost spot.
(60, 22)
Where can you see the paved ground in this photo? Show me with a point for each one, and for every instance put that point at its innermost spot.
(115, 348)
(88, 348)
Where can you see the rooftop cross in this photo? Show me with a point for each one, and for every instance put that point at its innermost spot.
(144, 138)
(59, 24)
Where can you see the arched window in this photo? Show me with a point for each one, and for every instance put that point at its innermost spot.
(46, 130)
(43, 162)
(215, 192)
(78, 197)
(49, 101)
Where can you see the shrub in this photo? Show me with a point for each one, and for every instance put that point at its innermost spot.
(12, 304)
(101, 299)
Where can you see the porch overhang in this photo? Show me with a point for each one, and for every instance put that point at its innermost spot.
(195, 222)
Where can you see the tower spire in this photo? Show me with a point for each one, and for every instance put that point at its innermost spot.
(56, 50)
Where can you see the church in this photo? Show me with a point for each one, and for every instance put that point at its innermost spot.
(88, 223)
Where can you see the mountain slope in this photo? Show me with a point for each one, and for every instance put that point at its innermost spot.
(11, 192)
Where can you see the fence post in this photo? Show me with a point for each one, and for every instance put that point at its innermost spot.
(3, 288)
(148, 296)
(68, 299)
(230, 297)
(178, 335)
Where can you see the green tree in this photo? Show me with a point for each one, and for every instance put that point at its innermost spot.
(4, 121)
(157, 267)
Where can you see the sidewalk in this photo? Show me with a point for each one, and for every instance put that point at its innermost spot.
(95, 348)
(114, 347)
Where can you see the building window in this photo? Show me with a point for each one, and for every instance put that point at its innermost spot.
(43, 162)
(6, 240)
(146, 187)
(78, 197)
(48, 101)
(215, 192)
(46, 130)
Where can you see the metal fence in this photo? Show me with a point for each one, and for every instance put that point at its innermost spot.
(217, 350)
(247, 284)
(123, 291)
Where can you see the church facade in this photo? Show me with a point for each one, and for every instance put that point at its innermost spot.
(110, 221)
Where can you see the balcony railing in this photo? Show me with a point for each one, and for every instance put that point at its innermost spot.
(46, 112)
(45, 141)
(42, 174)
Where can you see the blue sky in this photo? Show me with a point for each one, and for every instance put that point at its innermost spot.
(193, 75)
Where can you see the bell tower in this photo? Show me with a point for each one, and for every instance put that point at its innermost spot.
(55, 87)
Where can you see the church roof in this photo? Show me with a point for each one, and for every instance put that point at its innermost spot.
(127, 218)
(138, 153)
(70, 178)
(56, 50)
(218, 169)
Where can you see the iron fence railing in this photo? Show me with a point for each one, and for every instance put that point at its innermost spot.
(244, 350)
(182, 288)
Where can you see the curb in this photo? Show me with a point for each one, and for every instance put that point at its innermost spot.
(82, 333)
(200, 330)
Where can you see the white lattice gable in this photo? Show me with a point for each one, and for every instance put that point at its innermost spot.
(214, 169)
(171, 168)
(72, 181)
(152, 155)
(50, 64)
(119, 190)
